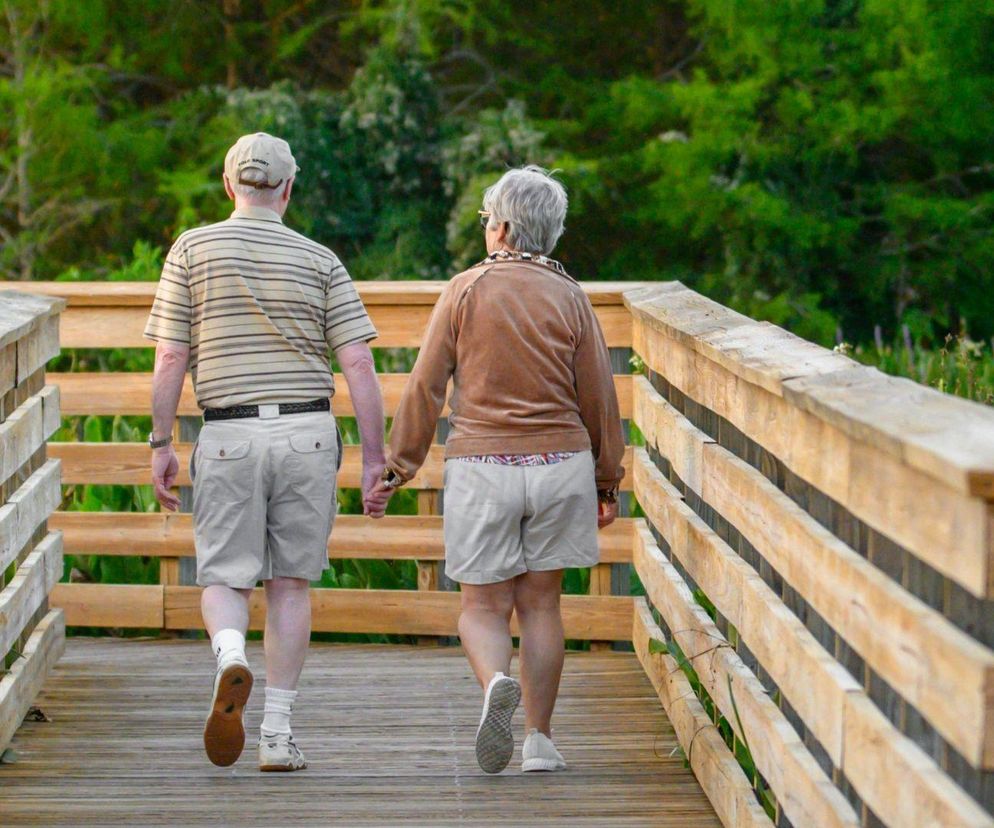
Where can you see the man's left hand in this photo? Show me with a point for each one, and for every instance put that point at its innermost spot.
(373, 504)
(165, 468)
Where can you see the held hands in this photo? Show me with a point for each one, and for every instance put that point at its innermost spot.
(165, 468)
(375, 496)
(606, 513)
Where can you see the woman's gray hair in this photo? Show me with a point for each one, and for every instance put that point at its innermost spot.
(533, 204)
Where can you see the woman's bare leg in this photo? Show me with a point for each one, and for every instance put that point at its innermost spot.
(536, 600)
(485, 628)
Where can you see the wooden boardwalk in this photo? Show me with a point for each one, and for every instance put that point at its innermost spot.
(388, 732)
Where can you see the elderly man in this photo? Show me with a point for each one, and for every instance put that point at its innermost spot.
(533, 460)
(253, 307)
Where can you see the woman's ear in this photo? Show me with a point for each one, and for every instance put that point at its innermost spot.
(502, 229)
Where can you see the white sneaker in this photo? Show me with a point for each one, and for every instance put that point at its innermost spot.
(538, 753)
(494, 740)
(280, 753)
(224, 732)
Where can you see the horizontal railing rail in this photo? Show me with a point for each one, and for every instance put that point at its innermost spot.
(819, 548)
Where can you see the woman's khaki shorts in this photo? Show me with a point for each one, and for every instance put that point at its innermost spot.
(501, 521)
(264, 498)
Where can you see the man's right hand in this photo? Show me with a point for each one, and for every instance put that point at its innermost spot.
(165, 468)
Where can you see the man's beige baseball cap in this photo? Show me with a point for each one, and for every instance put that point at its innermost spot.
(260, 151)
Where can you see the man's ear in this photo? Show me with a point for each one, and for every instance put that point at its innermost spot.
(289, 188)
(227, 187)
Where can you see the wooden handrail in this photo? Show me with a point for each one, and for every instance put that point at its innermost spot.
(838, 520)
(32, 636)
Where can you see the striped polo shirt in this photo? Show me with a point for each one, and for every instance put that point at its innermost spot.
(259, 305)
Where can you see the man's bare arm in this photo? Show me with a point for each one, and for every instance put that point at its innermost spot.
(171, 361)
(367, 400)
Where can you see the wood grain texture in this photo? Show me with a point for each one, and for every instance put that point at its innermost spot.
(26, 509)
(949, 530)
(399, 326)
(405, 292)
(136, 606)
(401, 612)
(908, 789)
(388, 733)
(128, 464)
(394, 537)
(8, 369)
(945, 437)
(803, 791)
(20, 686)
(719, 773)
(38, 347)
(925, 657)
(809, 677)
(23, 311)
(28, 589)
(21, 435)
(131, 393)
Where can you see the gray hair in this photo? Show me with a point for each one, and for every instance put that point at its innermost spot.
(263, 196)
(533, 204)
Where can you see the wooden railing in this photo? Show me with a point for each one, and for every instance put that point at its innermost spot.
(113, 315)
(837, 523)
(817, 553)
(32, 636)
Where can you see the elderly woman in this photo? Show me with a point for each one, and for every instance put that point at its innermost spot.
(532, 459)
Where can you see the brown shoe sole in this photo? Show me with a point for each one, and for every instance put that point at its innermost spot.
(224, 733)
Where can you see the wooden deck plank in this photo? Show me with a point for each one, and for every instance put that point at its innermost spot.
(388, 732)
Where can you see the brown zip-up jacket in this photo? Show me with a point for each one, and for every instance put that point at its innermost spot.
(530, 369)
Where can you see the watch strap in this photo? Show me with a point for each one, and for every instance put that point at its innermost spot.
(153, 443)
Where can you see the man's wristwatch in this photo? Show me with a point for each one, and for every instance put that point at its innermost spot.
(153, 443)
(608, 495)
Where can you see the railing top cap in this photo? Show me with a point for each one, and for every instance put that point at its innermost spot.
(412, 292)
(21, 312)
(947, 437)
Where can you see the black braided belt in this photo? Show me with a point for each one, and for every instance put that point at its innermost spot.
(240, 412)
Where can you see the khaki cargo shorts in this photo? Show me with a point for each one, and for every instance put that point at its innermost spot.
(264, 498)
(501, 521)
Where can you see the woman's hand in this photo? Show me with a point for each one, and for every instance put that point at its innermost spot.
(375, 500)
(606, 513)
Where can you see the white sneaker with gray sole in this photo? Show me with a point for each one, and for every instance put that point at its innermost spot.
(538, 753)
(494, 740)
(280, 754)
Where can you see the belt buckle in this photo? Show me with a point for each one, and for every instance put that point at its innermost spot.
(269, 411)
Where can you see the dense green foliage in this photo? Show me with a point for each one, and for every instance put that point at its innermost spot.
(825, 164)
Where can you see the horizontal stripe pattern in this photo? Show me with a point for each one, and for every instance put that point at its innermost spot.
(259, 305)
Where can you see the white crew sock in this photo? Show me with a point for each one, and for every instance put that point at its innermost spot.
(276, 715)
(228, 645)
